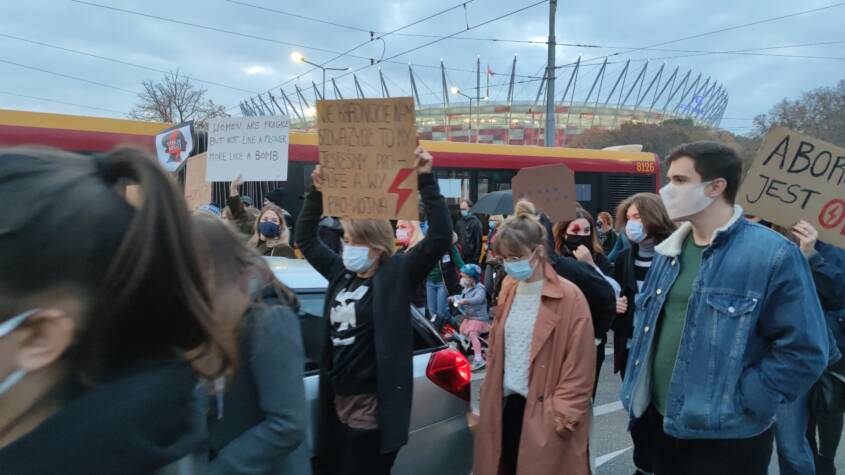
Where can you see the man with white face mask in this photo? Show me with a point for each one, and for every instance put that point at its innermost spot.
(727, 326)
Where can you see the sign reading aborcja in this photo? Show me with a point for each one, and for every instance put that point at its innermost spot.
(367, 158)
(796, 177)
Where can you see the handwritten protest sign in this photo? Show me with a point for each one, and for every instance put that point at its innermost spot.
(197, 190)
(254, 147)
(795, 177)
(551, 188)
(367, 158)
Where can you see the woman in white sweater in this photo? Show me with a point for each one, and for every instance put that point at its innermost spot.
(535, 402)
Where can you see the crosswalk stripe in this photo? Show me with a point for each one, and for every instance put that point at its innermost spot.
(607, 458)
(607, 408)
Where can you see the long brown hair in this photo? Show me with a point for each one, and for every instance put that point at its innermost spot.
(285, 232)
(560, 228)
(134, 269)
(656, 221)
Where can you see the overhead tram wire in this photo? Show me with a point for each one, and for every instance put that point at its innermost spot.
(76, 78)
(713, 32)
(119, 61)
(418, 47)
(25, 96)
(301, 17)
(360, 45)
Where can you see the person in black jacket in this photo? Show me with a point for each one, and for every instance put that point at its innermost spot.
(644, 220)
(97, 317)
(469, 232)
(256, 426)
(366, 367)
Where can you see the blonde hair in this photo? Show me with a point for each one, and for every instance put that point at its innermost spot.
(375, 233)
(498, 218)
(284, 236)
(416, 235)
(521, 232)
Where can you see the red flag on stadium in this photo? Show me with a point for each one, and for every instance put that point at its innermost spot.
(490, 71)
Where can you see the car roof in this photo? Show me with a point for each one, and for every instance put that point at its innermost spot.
(297, 274)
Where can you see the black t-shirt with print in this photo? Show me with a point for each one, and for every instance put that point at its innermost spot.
(353, 368)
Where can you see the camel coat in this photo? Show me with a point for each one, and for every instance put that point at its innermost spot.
(563, 358)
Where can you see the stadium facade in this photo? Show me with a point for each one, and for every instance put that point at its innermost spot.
(589, 97)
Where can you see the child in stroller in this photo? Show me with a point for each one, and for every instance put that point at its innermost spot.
(472, 304)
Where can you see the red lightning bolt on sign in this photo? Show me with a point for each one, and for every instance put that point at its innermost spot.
(403, 193)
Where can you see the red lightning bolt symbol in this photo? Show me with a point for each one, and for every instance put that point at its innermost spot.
(403, 193)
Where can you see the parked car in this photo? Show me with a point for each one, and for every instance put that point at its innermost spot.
(440, 442)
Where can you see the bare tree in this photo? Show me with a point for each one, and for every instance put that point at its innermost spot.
(819, 112)
(176, 99)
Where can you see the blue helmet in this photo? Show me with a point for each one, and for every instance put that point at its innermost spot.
(472, 270)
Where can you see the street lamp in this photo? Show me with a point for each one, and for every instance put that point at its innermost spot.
(457, 91)
(298, 58)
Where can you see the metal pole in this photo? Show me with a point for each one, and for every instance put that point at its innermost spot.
(323, 95)
(550, 79)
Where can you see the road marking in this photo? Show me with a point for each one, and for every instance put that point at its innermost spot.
(607, 458)
(607, 408)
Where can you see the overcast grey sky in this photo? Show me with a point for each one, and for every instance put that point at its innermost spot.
(253, 64)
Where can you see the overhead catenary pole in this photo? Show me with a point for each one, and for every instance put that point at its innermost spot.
(549, 140)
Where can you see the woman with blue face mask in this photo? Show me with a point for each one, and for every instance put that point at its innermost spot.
(272, 236)
(365, 370)
(644, 221)
(536, 399)
(98, 318)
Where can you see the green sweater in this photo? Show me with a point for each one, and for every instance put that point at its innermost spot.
(670, 326)
(436, 274)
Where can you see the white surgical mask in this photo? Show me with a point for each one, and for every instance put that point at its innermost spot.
(6, 328)
(683, 201)
(357, 258)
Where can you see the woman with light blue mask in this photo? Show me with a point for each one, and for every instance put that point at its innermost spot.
(365, 369)
(101, 318)
(645, 222)
(538, 377)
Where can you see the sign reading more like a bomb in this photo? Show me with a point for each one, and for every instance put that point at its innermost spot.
(796, 177)
(367, 158)
(254, 147)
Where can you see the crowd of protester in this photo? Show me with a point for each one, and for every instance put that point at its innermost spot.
(163, 343)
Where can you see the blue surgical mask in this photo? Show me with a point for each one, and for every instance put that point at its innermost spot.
(6, 328)
(520, 270)
(464, 213)
(635, 231)
(492, 224)
(357, 258)
(269, 229)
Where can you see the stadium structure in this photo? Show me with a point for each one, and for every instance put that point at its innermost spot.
(592, 98)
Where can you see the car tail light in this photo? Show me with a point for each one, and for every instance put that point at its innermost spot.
(450, 370)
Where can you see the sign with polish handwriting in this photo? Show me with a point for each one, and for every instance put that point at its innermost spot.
(367, 158)
(795, 177)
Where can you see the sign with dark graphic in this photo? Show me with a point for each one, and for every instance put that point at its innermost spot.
(175, 145)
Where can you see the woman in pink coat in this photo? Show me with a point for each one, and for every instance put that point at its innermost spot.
(535, 400)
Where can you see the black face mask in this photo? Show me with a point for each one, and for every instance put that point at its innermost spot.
(572, 242)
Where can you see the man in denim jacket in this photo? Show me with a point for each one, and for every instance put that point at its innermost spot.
(728, 326)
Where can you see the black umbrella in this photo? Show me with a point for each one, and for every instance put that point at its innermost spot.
(498, 202)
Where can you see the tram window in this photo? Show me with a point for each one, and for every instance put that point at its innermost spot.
(583, 192)
(483, 187)
(465, 178)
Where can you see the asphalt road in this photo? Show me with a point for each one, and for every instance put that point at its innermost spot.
(610, 442)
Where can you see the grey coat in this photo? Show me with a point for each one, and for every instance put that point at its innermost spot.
(476, 306)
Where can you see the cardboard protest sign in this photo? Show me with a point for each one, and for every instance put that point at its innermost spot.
(551, 188)
(175, 145)
(254, 147)
(796, 177)
(367, 158)
(197, 190)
